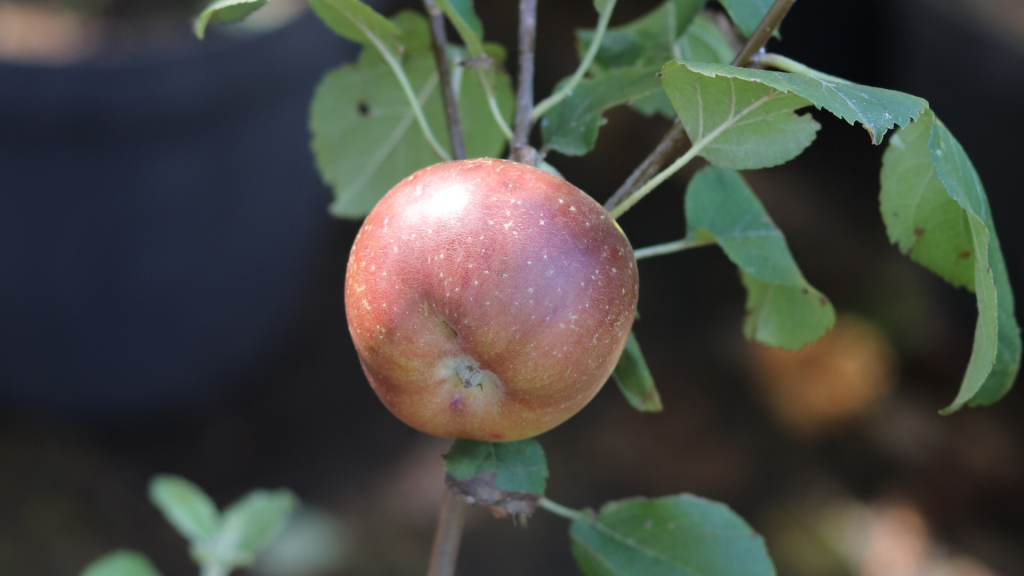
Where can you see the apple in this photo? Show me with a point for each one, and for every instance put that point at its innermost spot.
(489, 300)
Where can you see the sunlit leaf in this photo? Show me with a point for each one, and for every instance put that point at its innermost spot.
(783, 309)
(953, 236)
(224, 11)
(356, 21)
(682, 535)
(121, 563)
(365, 138)
(571, 126)
(737, 123)
(519, 466)
(185, 506)
(635, 380)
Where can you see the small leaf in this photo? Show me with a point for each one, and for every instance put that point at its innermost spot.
(507, 477)
(737, 123)
(635, 379)
(783, 309)
(648, 40)
(247, 526)
(680, 535)
(571, 126)
(466, 22)
(877, 109)
(747, 14)
(356, 21)
(185, 506)
(224, 11)
(927, 175)
(121, 563)
(365, 139)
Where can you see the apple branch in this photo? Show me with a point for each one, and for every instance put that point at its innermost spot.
(673, 139)
(445, 550)
(521, 151)
(451, 107)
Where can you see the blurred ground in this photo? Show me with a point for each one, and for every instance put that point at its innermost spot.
(836, 454)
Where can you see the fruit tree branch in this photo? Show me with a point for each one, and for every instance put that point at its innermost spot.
(521, 151)
(445, 550)
(674, 138)
(451, 107)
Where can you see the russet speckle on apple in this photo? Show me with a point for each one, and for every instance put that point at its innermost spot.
(489, 300)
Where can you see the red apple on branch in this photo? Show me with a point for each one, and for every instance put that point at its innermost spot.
(488, 299)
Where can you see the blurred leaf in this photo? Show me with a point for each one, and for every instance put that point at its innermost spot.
(571, 126)
(356, 21)
(635, 379)
(921, 161)
(520, 466)
(466, 22)
(224, 11)
(185, 506)
(747, 14)
(648, 40)
(247, 526)
(702, 42)
(121, 563)
(737, 123)
(680, 535)
(364, 135)
(783, 309)
(313, 542)
(877, 109)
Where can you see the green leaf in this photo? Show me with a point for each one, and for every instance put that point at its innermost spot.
(466, 22)
(185, 506)
(635, 379)
(356, 21)
(571, 126)
(682, 535)
(648, 40)
(121, 563)
(927, 175)
(737, 123)
(877, 109)
(224, 11)
(247, 526)
(783, 309)
(702, 42)
(365, 137)
(747, 14)
(520, 466)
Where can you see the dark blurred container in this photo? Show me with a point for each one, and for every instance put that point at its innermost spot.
(160, 219)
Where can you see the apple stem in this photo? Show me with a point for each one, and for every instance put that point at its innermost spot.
(521, 151)
(670, 144)
(451, 106)
(445, 550)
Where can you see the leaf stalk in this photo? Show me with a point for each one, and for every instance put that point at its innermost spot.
(670, 248)
(559, 510)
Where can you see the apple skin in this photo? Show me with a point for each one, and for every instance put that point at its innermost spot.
(489, 300)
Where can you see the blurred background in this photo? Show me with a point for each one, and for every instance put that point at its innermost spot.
(171, 301)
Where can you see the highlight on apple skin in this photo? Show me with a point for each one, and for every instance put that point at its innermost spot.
(489, 300)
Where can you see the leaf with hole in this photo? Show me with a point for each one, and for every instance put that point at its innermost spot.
(365, 138)
(220, 11)
(121, 563)
(935, 209)
(185, 506)
(783, 309)
(682, 535)
(635, 380)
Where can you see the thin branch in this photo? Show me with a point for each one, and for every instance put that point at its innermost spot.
(524, 94)
(451, 106)
(669, 248)
(445, 550)
(559, 510)
(403, 80)
(673, 139)
(588, 59)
